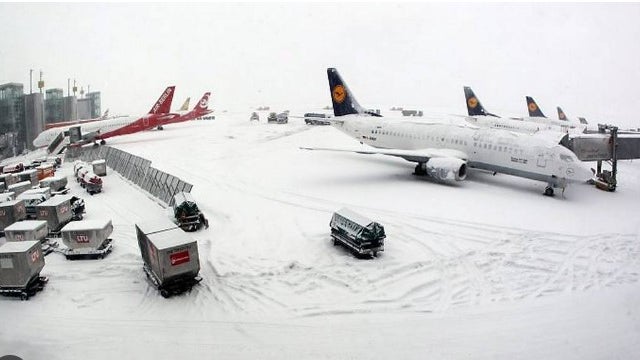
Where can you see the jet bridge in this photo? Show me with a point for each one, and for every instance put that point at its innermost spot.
(608, 144)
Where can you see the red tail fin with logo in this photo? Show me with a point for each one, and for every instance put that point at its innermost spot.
(163, 105)
(203, 104)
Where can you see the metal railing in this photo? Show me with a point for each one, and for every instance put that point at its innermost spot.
(157, 183)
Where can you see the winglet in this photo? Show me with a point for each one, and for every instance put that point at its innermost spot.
(344, 103)
(583, 120)
(106, 114)
(561, 114)
(534, 110)
(163, 105)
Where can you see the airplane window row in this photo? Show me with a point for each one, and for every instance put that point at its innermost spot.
(499, 148)
(423, 137)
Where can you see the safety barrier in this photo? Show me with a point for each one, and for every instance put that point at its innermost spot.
(157, 183)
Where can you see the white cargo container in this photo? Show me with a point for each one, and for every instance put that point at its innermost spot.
(45, 191)
(11, 211)
(7, 196)
(29, 175)
(171, 257)
(56, 211)
(20, 266)
(20, 187)
(99, 167)
(8, 179)
(87, 238)
(27, 230)
(56, 183)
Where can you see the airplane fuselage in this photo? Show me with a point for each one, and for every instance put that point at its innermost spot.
(493, 150)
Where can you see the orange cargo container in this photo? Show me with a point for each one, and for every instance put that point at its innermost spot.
(45, 171)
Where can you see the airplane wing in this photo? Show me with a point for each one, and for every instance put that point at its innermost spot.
(420, 155)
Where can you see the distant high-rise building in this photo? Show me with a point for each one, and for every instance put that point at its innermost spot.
(53, 106)
(33, 117)
(69, 108)
(12, 117)
(84, 108)
(94, 98)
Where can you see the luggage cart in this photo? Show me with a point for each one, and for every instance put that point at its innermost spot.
(87, 253)
(36, 284)
(170, 288)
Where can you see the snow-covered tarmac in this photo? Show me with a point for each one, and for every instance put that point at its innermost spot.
(484, 269)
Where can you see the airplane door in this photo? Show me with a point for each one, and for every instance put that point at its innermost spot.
(542, 160)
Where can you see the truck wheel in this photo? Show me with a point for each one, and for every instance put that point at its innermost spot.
(24, 296)
(165, 293)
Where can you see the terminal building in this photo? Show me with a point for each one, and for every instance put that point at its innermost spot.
(23, 116)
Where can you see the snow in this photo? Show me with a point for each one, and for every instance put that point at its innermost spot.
(17, 246)
(485, 268)
(26, 225)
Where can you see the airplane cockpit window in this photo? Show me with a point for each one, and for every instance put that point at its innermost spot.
(566, 158)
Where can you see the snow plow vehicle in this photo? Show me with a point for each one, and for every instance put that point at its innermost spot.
(187, 214)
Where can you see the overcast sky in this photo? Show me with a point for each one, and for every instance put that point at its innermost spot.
(583, 57)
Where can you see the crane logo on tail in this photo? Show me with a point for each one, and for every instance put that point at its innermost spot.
(339, 94)
(204, 102)
(472, 102)
(533, 107)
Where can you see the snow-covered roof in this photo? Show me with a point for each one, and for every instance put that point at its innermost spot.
(87, 225)
(170, 238)
(17, 246)
(26, 225)
(56, 200)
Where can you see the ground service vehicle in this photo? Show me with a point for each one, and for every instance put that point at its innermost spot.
(356, 232)
(186, 212)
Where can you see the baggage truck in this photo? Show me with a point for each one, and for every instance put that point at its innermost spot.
(44, 191)
(11, 212)
(356, 232)
(170, 257)
(19, 187)
(186, 212)
(20, 266)
(91, 182)
(57, 184)
(87, 239)
(99, 167)
(56, 212)
(29, 175)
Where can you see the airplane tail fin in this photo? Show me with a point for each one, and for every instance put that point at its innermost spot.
(534, 110)
(106, 114)
(203, 104)
(185, 105)
(583, 120)
(561, 114)
(344, 103)
(474, 107)
(163, 105)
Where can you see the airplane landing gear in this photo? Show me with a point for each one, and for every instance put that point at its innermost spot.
(419, 171)
(548, 191)
(102, 142)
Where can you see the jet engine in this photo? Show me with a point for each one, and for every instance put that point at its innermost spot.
(446, 169)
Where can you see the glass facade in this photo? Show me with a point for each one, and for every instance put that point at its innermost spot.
(12, 116)
(94, 97)
(53, 106)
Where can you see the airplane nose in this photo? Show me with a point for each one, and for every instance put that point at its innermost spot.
(580, 172)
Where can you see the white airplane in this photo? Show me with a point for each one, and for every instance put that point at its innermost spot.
(536, 116)
(479, 116)
(101, 130)
(444, 151)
